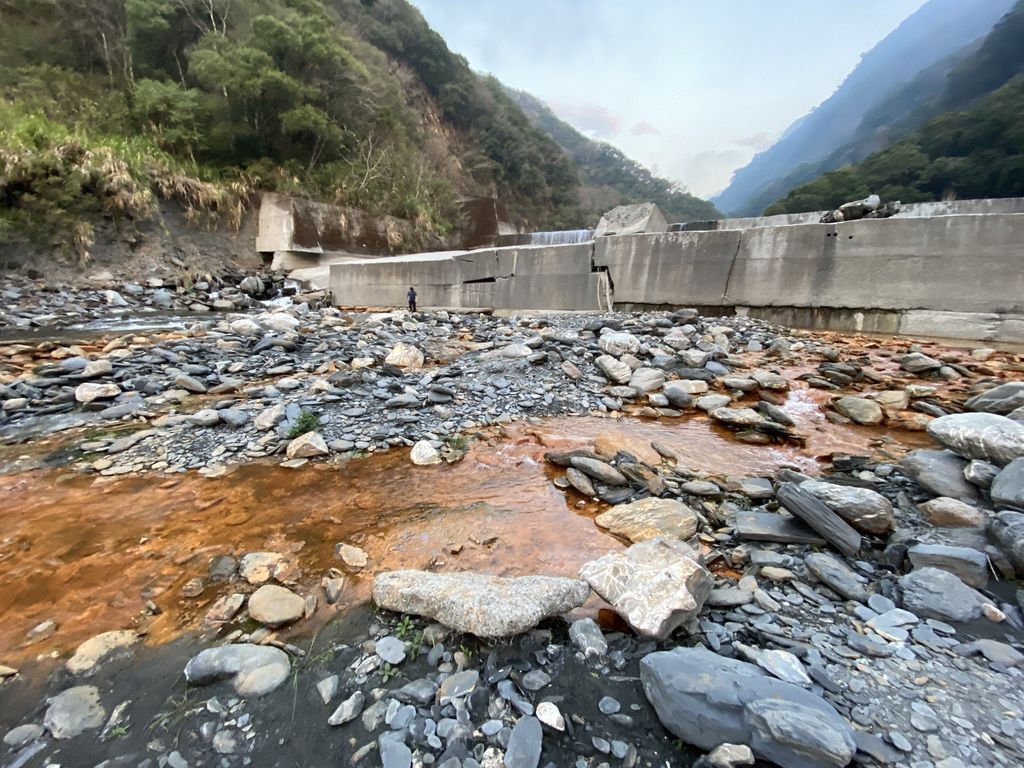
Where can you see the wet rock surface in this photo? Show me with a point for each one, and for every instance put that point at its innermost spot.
(856, 607)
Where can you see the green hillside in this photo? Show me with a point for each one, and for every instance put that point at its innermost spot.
(107, 106)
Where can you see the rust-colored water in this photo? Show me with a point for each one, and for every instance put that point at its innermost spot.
(89, 552)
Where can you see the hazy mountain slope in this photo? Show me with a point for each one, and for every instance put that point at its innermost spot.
(967, 141)
(935, 32)
(608, 177)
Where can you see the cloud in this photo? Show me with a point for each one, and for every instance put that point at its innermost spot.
(589, 118)
(709, 172)
(758, 141)
(643, 128)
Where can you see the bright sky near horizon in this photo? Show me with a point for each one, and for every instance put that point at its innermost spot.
(689, 89)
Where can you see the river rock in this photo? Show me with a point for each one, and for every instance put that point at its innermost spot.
(587, 636)
(985, 436)
(939, 594)
(275, 606)
(599, 470)
(348, 710)
(737, 417)
(769, 380)
(866, 510)
(404, 355)
(656, 586)
(93, 650)
(646, 380)
(1008, 486)
(423, 454)
(524, 744)
(485, 606)
(969, 564)
(269, 417)
(944, 512)
(941, 473)
(707, 700)
(610, 443)
(618, 343)
(307, 445)
(650, 518)
(614, 370)
(259, 567)
(860, 410)
(74, 711)
(1002, 399)
(916, 362)
(1007, 530)
(689, 387)
(836, 575)
(254, 670)
(88, 391)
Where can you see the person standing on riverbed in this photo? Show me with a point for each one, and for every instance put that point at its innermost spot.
(411, 296)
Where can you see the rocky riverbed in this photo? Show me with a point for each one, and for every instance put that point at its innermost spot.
(288, 534)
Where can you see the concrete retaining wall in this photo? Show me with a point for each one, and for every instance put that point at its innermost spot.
(528, 277)
(908, 211)
(955, 276)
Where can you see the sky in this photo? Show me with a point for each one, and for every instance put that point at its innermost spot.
(690, 89)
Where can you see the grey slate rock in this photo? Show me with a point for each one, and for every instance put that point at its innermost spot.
(837, 575)
(1002, 399)
(708, 700)
(985, 436)
(1007, 529)
(768, 526)
(820, 518)
(941, 473)
(1008, 486)
(970, 565)
(524, 745)
(938, 594)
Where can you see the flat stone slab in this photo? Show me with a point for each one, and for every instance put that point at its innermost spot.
(767, 526)
(650, 519)
(485, 606)
(818, 516)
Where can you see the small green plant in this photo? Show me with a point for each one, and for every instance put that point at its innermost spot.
(307, 422)
(466, 651)
(118, 731)
(458, 443)
(387, 672)
(404, 627)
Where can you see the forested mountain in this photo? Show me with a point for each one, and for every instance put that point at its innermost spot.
(878, 98)
(973, 145)
(106, 106)
(608, 177)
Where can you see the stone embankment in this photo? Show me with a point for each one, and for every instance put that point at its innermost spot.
(867, 613)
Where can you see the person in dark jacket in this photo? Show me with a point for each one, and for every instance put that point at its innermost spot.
(411, 296)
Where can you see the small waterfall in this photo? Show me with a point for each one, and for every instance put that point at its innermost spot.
(561, 237)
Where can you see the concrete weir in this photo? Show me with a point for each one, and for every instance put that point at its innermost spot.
(955, 276)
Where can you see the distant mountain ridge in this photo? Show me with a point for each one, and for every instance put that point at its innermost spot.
(884, 84)
(607, 176)
(967, 142)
